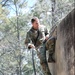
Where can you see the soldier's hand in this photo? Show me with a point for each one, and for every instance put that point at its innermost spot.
(31, 46)
(46, 38)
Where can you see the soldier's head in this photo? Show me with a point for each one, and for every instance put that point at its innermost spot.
(35, 22)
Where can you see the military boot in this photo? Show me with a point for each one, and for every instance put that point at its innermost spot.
(51, 58)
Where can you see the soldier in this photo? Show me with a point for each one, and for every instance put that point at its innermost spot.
(37, 38)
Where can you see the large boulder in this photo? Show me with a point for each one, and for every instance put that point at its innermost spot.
(65, 47)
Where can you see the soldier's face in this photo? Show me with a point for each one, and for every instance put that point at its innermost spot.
(36, 24)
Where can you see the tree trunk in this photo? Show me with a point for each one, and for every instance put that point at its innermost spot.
(53, 9)
(18, 37)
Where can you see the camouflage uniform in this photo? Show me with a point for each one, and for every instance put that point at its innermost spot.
(40, 45)
(50, 46)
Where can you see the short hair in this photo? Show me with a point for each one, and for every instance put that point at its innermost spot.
(34, 19)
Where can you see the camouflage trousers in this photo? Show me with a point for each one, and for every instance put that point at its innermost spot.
(41, 52)
(50, 44)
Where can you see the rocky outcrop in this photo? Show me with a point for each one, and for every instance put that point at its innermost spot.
(65, 47)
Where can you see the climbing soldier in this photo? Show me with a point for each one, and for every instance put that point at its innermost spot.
(38, 38)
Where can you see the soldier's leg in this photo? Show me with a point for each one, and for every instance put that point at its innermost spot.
(43, 60)
(50, 45)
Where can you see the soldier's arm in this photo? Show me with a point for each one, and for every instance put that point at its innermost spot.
(46, 33)
(28, 42)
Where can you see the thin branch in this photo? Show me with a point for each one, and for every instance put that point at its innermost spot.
(5, 3)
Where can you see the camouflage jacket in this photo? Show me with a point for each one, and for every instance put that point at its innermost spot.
(32, 35)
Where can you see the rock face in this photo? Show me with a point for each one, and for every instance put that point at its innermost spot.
(65, 47)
